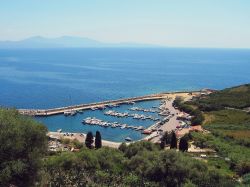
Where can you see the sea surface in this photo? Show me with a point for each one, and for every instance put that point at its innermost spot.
(47, 78)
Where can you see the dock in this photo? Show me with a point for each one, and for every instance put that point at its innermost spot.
(61, 110)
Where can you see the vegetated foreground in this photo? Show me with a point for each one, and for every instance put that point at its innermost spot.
(24, 161)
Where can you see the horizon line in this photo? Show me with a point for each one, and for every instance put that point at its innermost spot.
(150, 45)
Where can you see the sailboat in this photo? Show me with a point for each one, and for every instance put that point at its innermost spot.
(70, 112)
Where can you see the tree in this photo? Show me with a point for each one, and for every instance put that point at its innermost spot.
(89, 140)
(183, 145)
(23, 143)
(173, 144)
(163, 142)
(167, 137)
(98, 140)
(123, 147)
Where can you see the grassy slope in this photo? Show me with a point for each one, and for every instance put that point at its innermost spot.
(236, 97)
(230, 128)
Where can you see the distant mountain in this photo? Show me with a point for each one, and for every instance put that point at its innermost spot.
(64, 42)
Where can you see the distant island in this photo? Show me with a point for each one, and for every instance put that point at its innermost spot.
(66, 42)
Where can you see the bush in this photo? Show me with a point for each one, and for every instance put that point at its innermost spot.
(77, 144)
(23, 143)
(246, 179)
(140, 164)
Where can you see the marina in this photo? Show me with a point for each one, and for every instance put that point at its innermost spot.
(112, 127)
(95, 121)
(117, 120)
(133, 115)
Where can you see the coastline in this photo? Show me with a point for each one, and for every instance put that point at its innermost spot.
(153, 137)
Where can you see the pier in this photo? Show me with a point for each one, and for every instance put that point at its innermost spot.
(62, 110)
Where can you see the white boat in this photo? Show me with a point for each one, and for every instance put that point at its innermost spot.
(123, 126)
(67, 112)
(140, 128)
(80, 111)
(128, 139)
(73, 112)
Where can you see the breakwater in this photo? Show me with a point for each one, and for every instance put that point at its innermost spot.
(61, 110)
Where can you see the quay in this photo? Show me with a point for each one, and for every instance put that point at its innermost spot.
(62, 110)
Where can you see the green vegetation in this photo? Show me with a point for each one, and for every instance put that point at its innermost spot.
(163, 142)
(229, 127)
(89, 140)
(72, 143)
(246, 179)
(26, 162)
(232, 125)
(23, 143)
(139, 164)
(183, 145)
(236, 97)
(173, 143)
(166, 139)
(236, 155)
(197, 118)
(98, 140)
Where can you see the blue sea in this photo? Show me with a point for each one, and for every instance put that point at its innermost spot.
(47, 78)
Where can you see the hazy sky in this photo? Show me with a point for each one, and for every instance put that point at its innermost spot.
(186, 23)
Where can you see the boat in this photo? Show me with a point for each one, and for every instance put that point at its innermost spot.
(140, 128)
(80, 111)
(146, 132)
(123, 126)
(59, 130)
(67, 113)
(128, 139)
(73, 112)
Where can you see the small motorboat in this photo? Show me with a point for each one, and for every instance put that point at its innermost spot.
(128, 139)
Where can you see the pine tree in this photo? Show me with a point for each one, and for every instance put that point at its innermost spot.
(163, 142)
(98, 140)
(167, 137)
(173, 144)
(89, 140)
(183, 146)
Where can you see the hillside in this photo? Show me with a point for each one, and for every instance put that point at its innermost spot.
(235, 97)
(229, 126)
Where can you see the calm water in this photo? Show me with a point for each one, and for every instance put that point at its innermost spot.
(73, 124)
(57, 77)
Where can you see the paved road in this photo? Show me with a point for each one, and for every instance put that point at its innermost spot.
(172, 123)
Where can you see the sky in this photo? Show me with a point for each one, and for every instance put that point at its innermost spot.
(173, 23)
